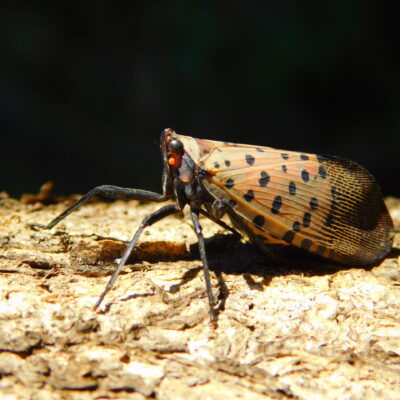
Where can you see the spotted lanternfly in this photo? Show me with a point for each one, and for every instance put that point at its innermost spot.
(324, 205)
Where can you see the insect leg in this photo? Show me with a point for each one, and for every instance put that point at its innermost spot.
(149, 220)
(197, 227)
(220, 223)
(108, 191)
(218, 208)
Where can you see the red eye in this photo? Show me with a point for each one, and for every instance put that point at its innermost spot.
(172, 161)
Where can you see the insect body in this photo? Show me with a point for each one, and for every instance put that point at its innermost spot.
(322, 204)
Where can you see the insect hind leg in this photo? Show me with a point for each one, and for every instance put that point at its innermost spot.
(202, 248)
(220, 223)
(159, 214)
(107, 191)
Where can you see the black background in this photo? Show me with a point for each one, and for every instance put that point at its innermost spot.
(87, 87)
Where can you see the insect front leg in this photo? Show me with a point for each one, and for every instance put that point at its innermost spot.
(149, 220)
(108, 191)
(199, 232)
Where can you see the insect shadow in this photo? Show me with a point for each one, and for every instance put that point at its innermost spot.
(395, 252)
(230, 256)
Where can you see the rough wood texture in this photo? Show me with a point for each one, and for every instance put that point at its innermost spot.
(301, 331)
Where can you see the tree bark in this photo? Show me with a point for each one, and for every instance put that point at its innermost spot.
(296, 329)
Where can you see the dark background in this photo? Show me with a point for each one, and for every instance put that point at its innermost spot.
(87, 87)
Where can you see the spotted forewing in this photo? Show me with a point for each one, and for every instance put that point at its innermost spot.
(322, 204)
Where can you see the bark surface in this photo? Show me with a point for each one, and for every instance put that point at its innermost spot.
(292, 330)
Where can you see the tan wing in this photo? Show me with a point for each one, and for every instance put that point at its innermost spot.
(326, 205)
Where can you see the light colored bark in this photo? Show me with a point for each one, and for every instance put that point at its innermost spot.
(305, 332)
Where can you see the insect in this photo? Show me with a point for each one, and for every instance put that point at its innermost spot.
(324, 205)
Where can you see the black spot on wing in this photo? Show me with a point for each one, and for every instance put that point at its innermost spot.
(258, 221)
(276, 205)
(288, 236)
(249, 196)
(322, 172)
(229, 183)
(305, 175)
(292, 188)
(250, 159)
(329, 220)
(307, 219)
(296, 226)
(263, 181)
(314, 203)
